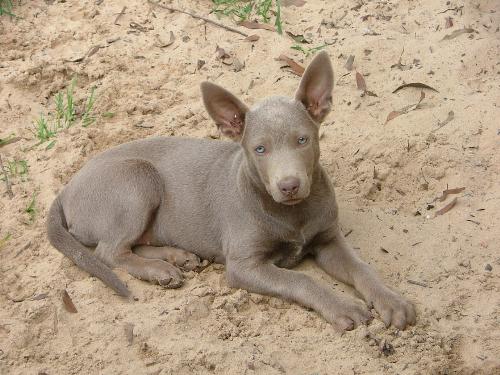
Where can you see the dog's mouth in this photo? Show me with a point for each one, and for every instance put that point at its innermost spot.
(292, 201)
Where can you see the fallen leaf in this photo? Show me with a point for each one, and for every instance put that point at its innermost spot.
(349, 62)
(415, 84)
(252, 38)
(39, 297)
(162, 43)
(296, 67)
(392, 115)
(360, 81)
(297, 3)
(256, 25)
(221, 53)
(299, 38)
(446, 208)
(449, 192)
(129, 333)
(68, 303)
(448, 23)
(456, 33)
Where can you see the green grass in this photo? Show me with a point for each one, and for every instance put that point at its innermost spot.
(5, 239)
(31, 209)
(243, 10)
(6, 140)
(18, 168)
(64, 116)
(6, 8)
(87, 117)
(308, 51)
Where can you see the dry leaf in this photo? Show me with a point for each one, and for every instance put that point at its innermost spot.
(415, 84)
(405, 109)
(393, 115)
(252, 38)
(299, 38)
(349, 62)
(449, 192)
(256, 25)
(68, 303)
(221, 53)
(296, 67)
(360, 81)
(448, 23)
(446, 208)
(162, 43)
(129, 333)
(456, 33)
(297, 3)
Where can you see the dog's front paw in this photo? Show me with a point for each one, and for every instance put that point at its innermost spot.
(393, 308)
(348, 314)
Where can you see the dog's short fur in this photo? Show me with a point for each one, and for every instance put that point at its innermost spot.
(259, 205)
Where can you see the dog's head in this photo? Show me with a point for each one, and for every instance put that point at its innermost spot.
(280, 135)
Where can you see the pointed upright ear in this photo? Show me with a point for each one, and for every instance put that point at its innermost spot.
(316, 85)
(225, 109)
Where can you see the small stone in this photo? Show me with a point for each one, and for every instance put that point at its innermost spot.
(488, 267)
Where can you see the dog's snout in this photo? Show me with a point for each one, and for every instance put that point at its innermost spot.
(289, 185)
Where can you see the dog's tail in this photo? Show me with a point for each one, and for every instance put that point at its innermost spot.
(63, 241)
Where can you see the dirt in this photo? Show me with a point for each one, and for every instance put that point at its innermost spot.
(387, 176)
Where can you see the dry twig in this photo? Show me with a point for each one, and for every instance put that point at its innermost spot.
(172, 9)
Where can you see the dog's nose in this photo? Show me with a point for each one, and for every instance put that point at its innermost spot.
(289, 185)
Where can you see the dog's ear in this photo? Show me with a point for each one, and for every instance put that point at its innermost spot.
(225, 109)
(316, 85)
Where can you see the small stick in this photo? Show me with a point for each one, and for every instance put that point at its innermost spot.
(120, 15)
(417, 283)
(157, 4)
(7, 182)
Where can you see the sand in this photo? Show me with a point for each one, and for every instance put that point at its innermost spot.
(387, 177)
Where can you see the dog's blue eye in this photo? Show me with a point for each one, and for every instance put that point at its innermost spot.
(302, 140)
(260, 149)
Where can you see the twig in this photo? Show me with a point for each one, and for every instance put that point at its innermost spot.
(417, 283)
(157, 4)
(7, 182)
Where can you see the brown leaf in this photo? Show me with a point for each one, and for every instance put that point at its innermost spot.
(297, 3)
(68, 303)
(449, 192)
(252, 38)
(393, 115)
(446, 208)
(296, 67)
(456, 33)
(415, 84)
(360, 81)
(256, 25)
(221, 53)
(448, 23)
(405, 109)
(349, 62)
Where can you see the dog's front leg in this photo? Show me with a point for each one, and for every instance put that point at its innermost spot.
(339, 260)
(265, 278)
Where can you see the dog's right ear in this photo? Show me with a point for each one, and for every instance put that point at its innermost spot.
(225, 109)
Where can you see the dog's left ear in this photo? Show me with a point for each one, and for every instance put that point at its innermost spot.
(316, 85)
(227, 110)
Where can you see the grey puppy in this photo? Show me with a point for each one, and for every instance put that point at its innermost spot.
(259, 205)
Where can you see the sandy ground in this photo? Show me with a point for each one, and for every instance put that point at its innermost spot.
(386, 175)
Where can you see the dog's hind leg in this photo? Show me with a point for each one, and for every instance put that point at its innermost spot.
(178, 257)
